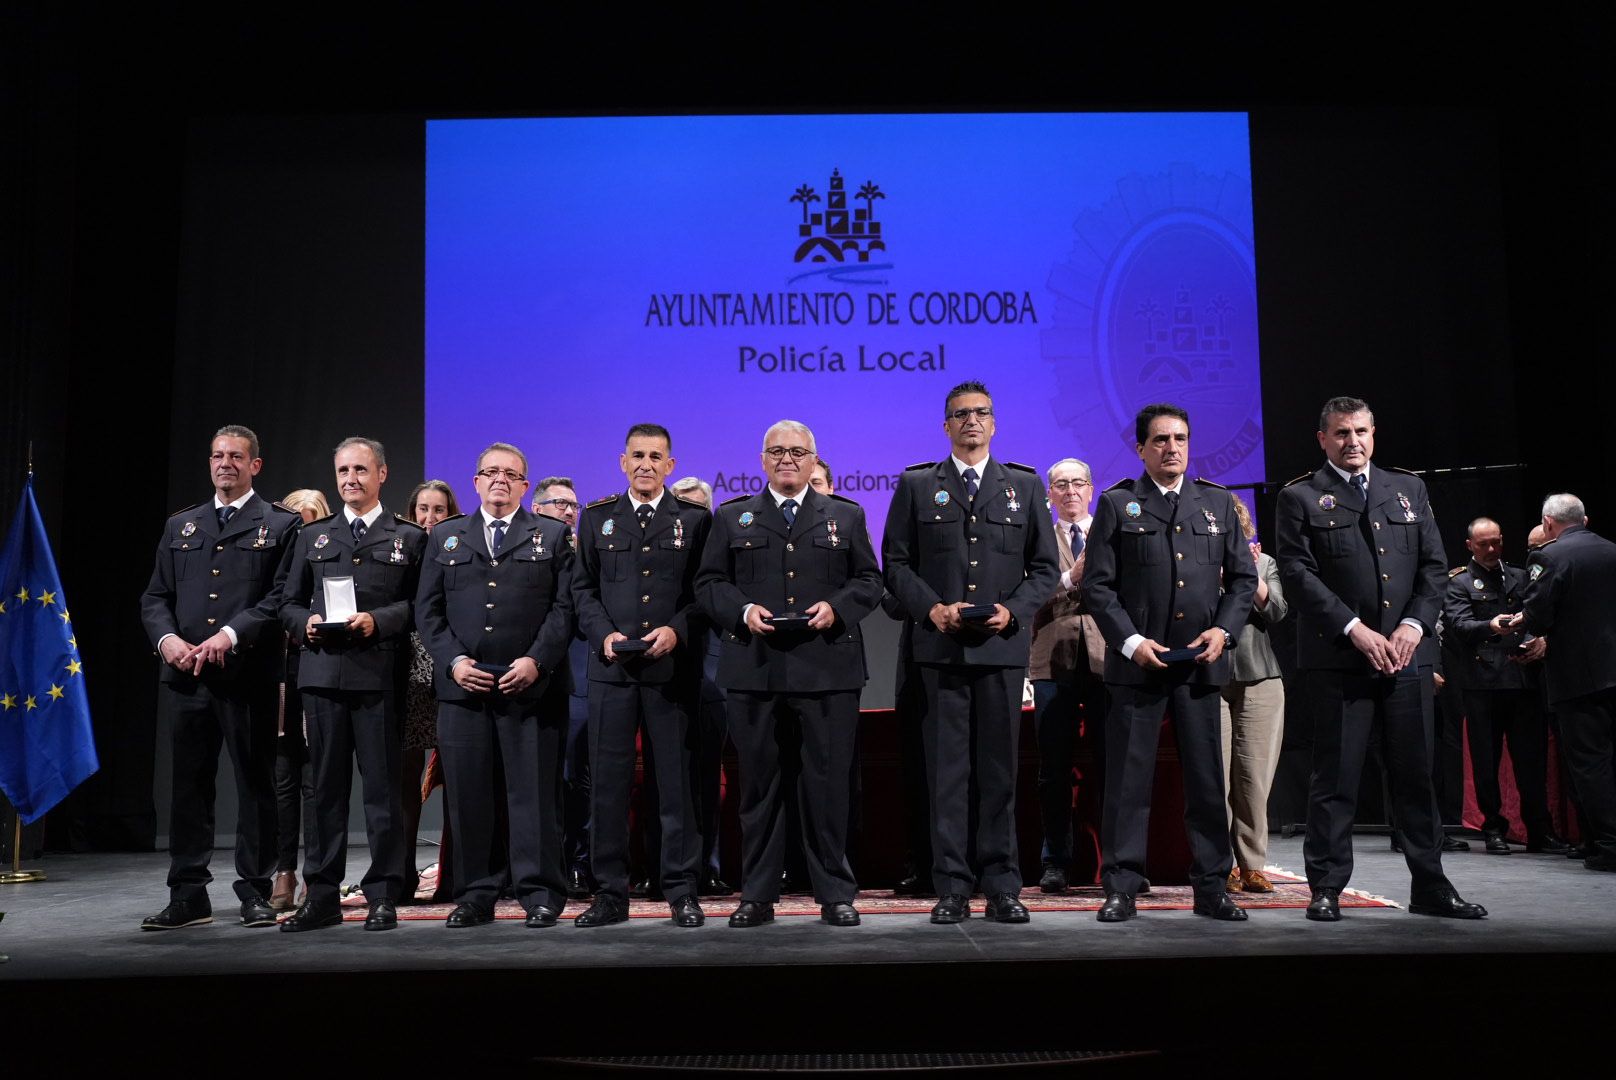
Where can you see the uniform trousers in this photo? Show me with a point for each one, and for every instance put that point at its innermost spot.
(795, 747)
(1253, 728)
(523, 742)
(345, 726)
(1490, 717)
(575, 776)
(617, 712)
(1588, 732)
(202, 718)
(1347, 710)
(1133, 731)
(970, 727)
(707, 771)
(1070, 711)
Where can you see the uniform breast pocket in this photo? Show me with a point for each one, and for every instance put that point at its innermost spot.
(531, 570)
(453, 567)
(1406, 535)
(1009, 532)
(939, 530)
(1208, 545)
(187, 559)
(749, 555)
(611, 552)
(671, 557)
(1332, 537)
(830, 560)
(1141, 544)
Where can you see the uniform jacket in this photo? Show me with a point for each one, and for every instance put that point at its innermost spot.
(1065, 637)
(941, 549)
(752, 558)
(631, 580)
(1165, 577)
(385, 566)
(206, 579)
(1571, 596)
(496, 607)
(1475, 594)
(1340, 559)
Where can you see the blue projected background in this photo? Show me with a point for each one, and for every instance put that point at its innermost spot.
(715, 274)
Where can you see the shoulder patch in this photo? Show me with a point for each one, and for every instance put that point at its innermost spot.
(686, 501)
(1297, 480)
(451, 517)
(736, 499)
(334, 515)
(1405, 472)
(283, 508)
(1125, 484)
(1019, 465)
(402, 520)
(920, 465)
(1210, 484)
(603, 500)
(186, 509)
(841, 498)
(1456, 571)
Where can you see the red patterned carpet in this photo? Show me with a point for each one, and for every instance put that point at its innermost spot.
(1289, 892)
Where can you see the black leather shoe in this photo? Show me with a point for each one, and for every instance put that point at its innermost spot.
(687, 912)
(603, 912)
(1053, 883)
(1547, 844)
(257, 912)
(840, 913)
(1144, 888)
(1220, 907)
(1118, 907)
(383, 916)
(1494, 843)
(951, 908)
(310, 917)
(1002, 907)
(646, 889)
(713, 885)
(1447, 904)
(181, 913)
(578, 884)
(468, 915)
(1397, 844)
(1325, 905)
(541, 917)
(1582, 851)
(1453, 843)
(752, 913)
(913, 885)
(1601, 862)
(792, 885)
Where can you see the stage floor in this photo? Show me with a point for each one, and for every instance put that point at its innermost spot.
(896, 981)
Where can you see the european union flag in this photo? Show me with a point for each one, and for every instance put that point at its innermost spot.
(46, 747)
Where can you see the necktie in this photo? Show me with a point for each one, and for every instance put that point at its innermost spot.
(1360, 482)
(789, 509)
(1172, 505)
(969, 475)
(498, 529)
(644, 514)
(225, 514)
(1077, 540)
(358, 529)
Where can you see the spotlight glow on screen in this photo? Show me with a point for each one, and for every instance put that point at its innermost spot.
(716, 274)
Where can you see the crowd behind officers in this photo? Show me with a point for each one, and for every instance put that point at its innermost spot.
(688, 619)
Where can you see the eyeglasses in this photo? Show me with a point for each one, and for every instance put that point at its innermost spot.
(775, 453)
(494, 472)
(1069, 485)
(565, 504)
(981, 412)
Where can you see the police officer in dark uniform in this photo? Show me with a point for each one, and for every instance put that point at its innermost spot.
(1167, 573)
(1362, 564)
(221, 652)
(1571, 595)
(495, 612)
(786, 577)
(636, 583)
(351, 679)
(971, 532)
(1500, 692)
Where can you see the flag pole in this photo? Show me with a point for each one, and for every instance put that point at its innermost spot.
(17, 875)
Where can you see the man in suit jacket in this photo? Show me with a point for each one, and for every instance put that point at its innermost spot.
(1066, 663)
(636, 582)
(351, 679)
(786, 578)
(1362, 564)
(1168, 571)
(1571, 593)
(971, 532)
(495, 612)
(1501, 696)
(221, 653)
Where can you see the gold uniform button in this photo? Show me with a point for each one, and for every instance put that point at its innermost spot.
(491, 562)
(973, 562)
(1385, 577)
(791, 573)
(214, 572)
(187, 547)
(970, 588)
(937, 517)
(1332, 524)
(490, 607)
(1177, 615)
(1178, 555)
(356, 560)
(212, 622)
(645, 573)
(973, 519)
(1381, 550)
(972, 539)
(488, 629)
(749, 543)
(791, 547)
(1386, 603)
(611, 547)
(646, 599)
(493, 584)
(645, 549)
(791, 600)
(645, 626)
(1178, 528)
(1376, 524)
(1181, 583)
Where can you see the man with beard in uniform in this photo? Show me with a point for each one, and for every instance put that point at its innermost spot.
(1363, 566)
(215, 564)
(967, 536)
(636, 587)
(351, 677)
(495, 611)
(786, 578)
